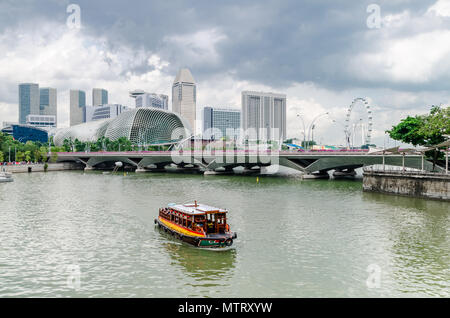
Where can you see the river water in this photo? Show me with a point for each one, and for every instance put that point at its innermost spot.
(75, 234)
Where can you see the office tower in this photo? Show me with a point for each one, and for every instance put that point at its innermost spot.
(94, 113)
(77, 107)
(99, 96)
(152, 100)
(184, 97)
(263, 115)
(227, 121)
(28, 101)
(48, 101)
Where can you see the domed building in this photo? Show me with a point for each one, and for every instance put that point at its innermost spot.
(148, 126)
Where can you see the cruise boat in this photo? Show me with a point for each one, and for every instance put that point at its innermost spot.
(197, 224)
(6, 176)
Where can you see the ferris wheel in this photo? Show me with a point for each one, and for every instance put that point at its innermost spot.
(366, 128)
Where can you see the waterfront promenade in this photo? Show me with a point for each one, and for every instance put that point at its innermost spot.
(39, 167)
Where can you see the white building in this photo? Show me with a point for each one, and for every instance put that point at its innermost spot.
(99, 96)
(93, 113)
(152, 100)
(77, 107)
(263, 115)
(184, 97)
(42, 121)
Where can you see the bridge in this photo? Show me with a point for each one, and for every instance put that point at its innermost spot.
(224, 161)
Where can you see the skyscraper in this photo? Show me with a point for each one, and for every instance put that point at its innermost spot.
(48, 101)
(184, 96)
(77, 107)
(227, 121)
(152, 100)
(264, 115)
(99, 96)
(28, 101)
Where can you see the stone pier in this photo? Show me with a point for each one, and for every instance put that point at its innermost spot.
(415, 184)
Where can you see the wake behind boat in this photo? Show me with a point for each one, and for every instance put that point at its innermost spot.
(6, 176)
(197, 224)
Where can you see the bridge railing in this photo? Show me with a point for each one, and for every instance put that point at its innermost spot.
(246, 151)
(399, 170)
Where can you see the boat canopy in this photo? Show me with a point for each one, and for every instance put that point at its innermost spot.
(195, 208)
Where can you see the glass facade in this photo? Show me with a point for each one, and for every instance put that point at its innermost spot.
(47, 101)
(141, 126)
(220, 122)
(28, 101)
(27, 133)
(99, 96)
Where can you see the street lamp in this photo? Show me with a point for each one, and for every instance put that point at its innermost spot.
(304, 129)
(347, 137)
(312, 125)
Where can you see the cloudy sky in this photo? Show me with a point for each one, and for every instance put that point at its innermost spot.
(322, 54)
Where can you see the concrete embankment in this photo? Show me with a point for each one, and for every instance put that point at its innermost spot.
(40, 167)
(425, 185)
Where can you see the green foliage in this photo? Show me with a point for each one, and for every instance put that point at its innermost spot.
(423, 130)
(1, 156)
(102, 144)
(20, 156)
(53, 157)
(29, 151)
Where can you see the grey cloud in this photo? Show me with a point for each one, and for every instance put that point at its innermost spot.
(270, 42)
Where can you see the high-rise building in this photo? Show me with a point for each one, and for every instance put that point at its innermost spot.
(263, 115)
(48, 101)
(227, 121)
(99, 96)
(94, 113)
(77, 107)
(184, 97)
(152, 100)
(28, 101)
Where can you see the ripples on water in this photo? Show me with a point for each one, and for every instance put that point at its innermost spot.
(295, 238)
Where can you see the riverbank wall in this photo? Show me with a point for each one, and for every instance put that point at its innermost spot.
(414, 184)
(40, 167)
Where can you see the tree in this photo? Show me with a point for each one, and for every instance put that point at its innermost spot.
(27, 155)
(424, 130)
(409, 130)
(20, 155)
(53, 157)
(1, 156)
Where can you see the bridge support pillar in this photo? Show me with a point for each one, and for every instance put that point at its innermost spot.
(316, 175)
(219, 172)
(252, 170)
(344, 173)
